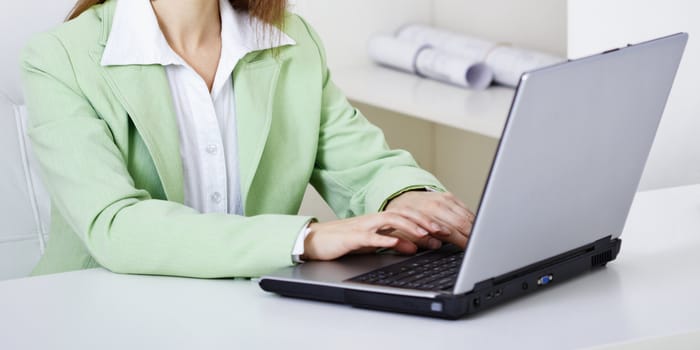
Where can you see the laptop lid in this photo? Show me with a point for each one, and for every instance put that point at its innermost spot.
(571, 157)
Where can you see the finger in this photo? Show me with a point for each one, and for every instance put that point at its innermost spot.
(436, 225)
(434, 213)
(472, 217)
(403, 246)
(458, 208)
(424, 221)
(406, 247)
(422, 242)
(429, 242)
(369, 239)
(459, 211)
(457, 239)
(451, 222)
(456, 201)
(457, 218)
(378, 241)
(432, 243)
(388, 220)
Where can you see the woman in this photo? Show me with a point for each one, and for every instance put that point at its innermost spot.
(178, 137)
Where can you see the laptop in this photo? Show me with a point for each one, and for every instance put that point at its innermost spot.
(561, 185)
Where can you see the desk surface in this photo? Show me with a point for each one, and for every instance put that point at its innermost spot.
(480, 111)
(651, 291)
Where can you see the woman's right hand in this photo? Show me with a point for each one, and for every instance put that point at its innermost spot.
(331, 240)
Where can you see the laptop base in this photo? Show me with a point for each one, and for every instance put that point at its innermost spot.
(485, 294)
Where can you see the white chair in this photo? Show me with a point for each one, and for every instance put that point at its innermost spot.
(24, 203)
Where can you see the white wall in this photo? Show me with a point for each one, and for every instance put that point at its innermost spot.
(537, 24)
(596, 25)
(18, 21)
(345, 26)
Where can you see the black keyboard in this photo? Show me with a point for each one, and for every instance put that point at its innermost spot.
(433, 271)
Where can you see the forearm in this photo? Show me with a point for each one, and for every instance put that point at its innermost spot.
(165, 238)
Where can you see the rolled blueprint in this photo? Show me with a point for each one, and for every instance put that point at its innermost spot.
(395, 53)
(508, 63)
(468, 47)
(453, 69)
(428, 62)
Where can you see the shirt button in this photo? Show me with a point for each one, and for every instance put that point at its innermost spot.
(216, 197)
(212, 149)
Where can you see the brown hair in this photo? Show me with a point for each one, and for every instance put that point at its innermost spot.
(268, 11)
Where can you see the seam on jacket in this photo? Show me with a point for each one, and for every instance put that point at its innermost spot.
(77, 90)
(321, 54)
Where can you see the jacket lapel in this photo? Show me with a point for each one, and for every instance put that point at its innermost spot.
(255, 82)
(145, 94)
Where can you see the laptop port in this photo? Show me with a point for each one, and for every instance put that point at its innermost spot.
(477, 302)
(498, 293)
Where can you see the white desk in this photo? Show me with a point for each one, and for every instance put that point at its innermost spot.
(651, 291)
(481, 112)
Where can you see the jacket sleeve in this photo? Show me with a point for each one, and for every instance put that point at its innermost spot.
(355, 171)
(124, 229)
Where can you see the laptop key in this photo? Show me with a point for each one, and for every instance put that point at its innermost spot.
(431, 271)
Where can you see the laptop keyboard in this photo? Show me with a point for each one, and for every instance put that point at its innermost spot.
(433, 271)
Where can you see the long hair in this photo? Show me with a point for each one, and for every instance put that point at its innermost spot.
(268, 11)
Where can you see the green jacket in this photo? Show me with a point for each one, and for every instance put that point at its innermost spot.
(107, 141)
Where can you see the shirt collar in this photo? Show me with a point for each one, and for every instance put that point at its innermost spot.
(136, 38)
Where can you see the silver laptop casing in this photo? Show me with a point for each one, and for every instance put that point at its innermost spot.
(571, 157)
(568, 166)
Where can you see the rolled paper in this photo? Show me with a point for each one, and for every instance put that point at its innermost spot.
(453, 69)
(508, 63)
(421, 59)
(395, 53)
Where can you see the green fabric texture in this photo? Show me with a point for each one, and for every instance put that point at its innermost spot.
(107, 141)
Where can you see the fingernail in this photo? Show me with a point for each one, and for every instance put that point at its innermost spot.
(434, 243)
(444, 229)
(435, 226)
(422, 232)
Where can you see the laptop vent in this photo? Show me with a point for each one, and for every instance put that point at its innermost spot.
(602, 258)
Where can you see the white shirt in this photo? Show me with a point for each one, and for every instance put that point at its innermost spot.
(206, 120)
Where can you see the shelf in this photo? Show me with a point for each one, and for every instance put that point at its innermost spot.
(479, 111)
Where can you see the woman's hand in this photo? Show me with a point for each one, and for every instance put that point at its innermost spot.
(412, 220)
(443, 215)
(331, 240)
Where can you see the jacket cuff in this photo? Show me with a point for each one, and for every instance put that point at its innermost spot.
(395, 182)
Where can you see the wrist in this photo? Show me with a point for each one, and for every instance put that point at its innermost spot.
(398, 199)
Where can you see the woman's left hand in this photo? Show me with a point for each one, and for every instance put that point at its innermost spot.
(443, 215)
